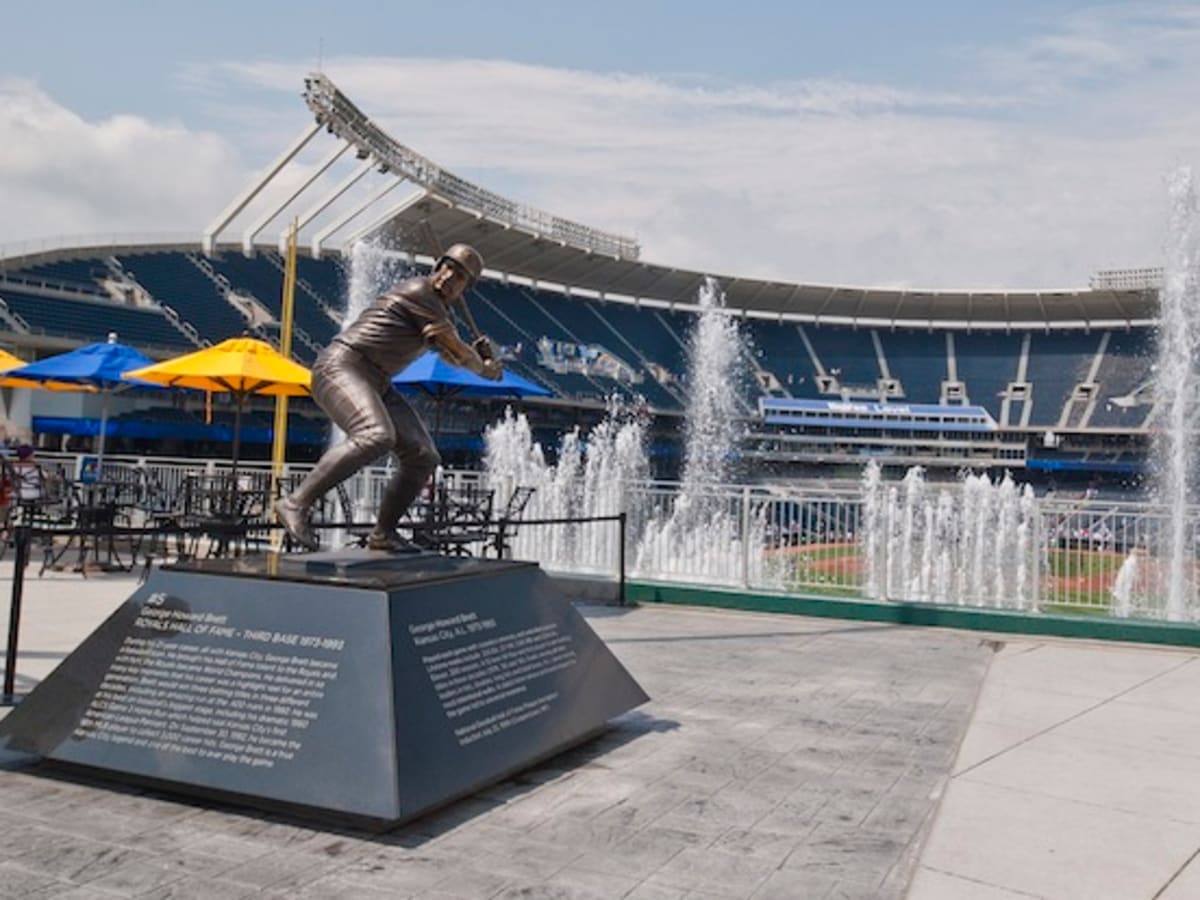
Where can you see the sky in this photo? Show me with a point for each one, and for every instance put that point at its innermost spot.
(922, 145)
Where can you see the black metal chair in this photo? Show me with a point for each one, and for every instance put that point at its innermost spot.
(505, 528)
(226, 512)
(453, 518)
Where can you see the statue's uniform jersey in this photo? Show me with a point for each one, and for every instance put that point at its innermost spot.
(388, 332)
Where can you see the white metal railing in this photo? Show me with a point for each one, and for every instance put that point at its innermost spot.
(954, 544)
(1105, 557)
(183, 326)
(13, 318)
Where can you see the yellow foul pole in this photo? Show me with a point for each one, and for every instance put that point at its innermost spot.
(279, 444)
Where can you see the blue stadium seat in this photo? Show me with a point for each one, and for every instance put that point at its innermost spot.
(987, 364)
(645, 329)
(918, 360)
(93, 320)
(777, 347)
(846, 353)
(252, 276)
(171, 279)
(642, 339)
(80, 272)
(511, 320)
(326, 277)
(1057, 362)
(259, 278)
(1126, 366)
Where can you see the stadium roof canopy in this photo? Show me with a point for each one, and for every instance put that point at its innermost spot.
(522, 243)
(559, 264)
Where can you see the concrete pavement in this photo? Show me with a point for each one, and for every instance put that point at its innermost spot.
(780, 757)
(1078, 778)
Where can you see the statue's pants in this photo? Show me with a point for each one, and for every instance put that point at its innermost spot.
(359, 398)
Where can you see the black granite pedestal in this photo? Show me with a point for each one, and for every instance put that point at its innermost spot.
(361, 687)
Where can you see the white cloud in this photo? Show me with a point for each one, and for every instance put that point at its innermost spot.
(1138, 43)
(63, 175)
(998, 184)
(1033, 165)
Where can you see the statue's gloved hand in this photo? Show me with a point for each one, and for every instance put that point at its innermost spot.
(492, 370)
(483, 346)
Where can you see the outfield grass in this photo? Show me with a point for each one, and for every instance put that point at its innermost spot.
(1085, 577)
(817, 551)
(1085, 564)
(826, 570)
(820, 590)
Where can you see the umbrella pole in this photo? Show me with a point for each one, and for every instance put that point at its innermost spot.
(103, 430)
(229, 501)
(439, 397)
(237, 433)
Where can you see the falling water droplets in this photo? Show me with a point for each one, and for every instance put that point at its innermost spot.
(1175, 391)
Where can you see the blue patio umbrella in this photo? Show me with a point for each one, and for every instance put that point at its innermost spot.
(432, 375)
(98, 366)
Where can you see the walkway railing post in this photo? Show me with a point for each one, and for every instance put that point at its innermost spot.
(745, 537)
(21, 539)
(621, 517)
(1040, 562)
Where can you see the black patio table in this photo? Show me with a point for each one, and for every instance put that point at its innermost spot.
(92, 510)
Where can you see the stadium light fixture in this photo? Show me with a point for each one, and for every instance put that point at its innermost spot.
(333, 108)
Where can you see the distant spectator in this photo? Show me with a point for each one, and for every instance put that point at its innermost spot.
(28, 481)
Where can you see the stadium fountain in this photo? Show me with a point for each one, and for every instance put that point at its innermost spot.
(372, 271)
(973, 543)
(712, 429)
(968, 543)
(697, 533)
(1125, 586)
(588, 479)
(1176, 402)
(687, 532)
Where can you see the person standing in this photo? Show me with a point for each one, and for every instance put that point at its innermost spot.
(29, 482)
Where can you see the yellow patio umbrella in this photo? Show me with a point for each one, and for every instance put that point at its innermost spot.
(240, 366)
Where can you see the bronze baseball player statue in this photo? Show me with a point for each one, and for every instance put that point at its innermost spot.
(351, 381)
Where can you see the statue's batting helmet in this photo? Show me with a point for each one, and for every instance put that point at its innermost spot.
(465, 257)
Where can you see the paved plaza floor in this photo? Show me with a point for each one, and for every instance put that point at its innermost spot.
(779, 757)
(1078, 778)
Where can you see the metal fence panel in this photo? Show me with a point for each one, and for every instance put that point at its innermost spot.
(970, 543)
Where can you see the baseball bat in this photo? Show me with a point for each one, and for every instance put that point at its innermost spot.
(470, 319)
